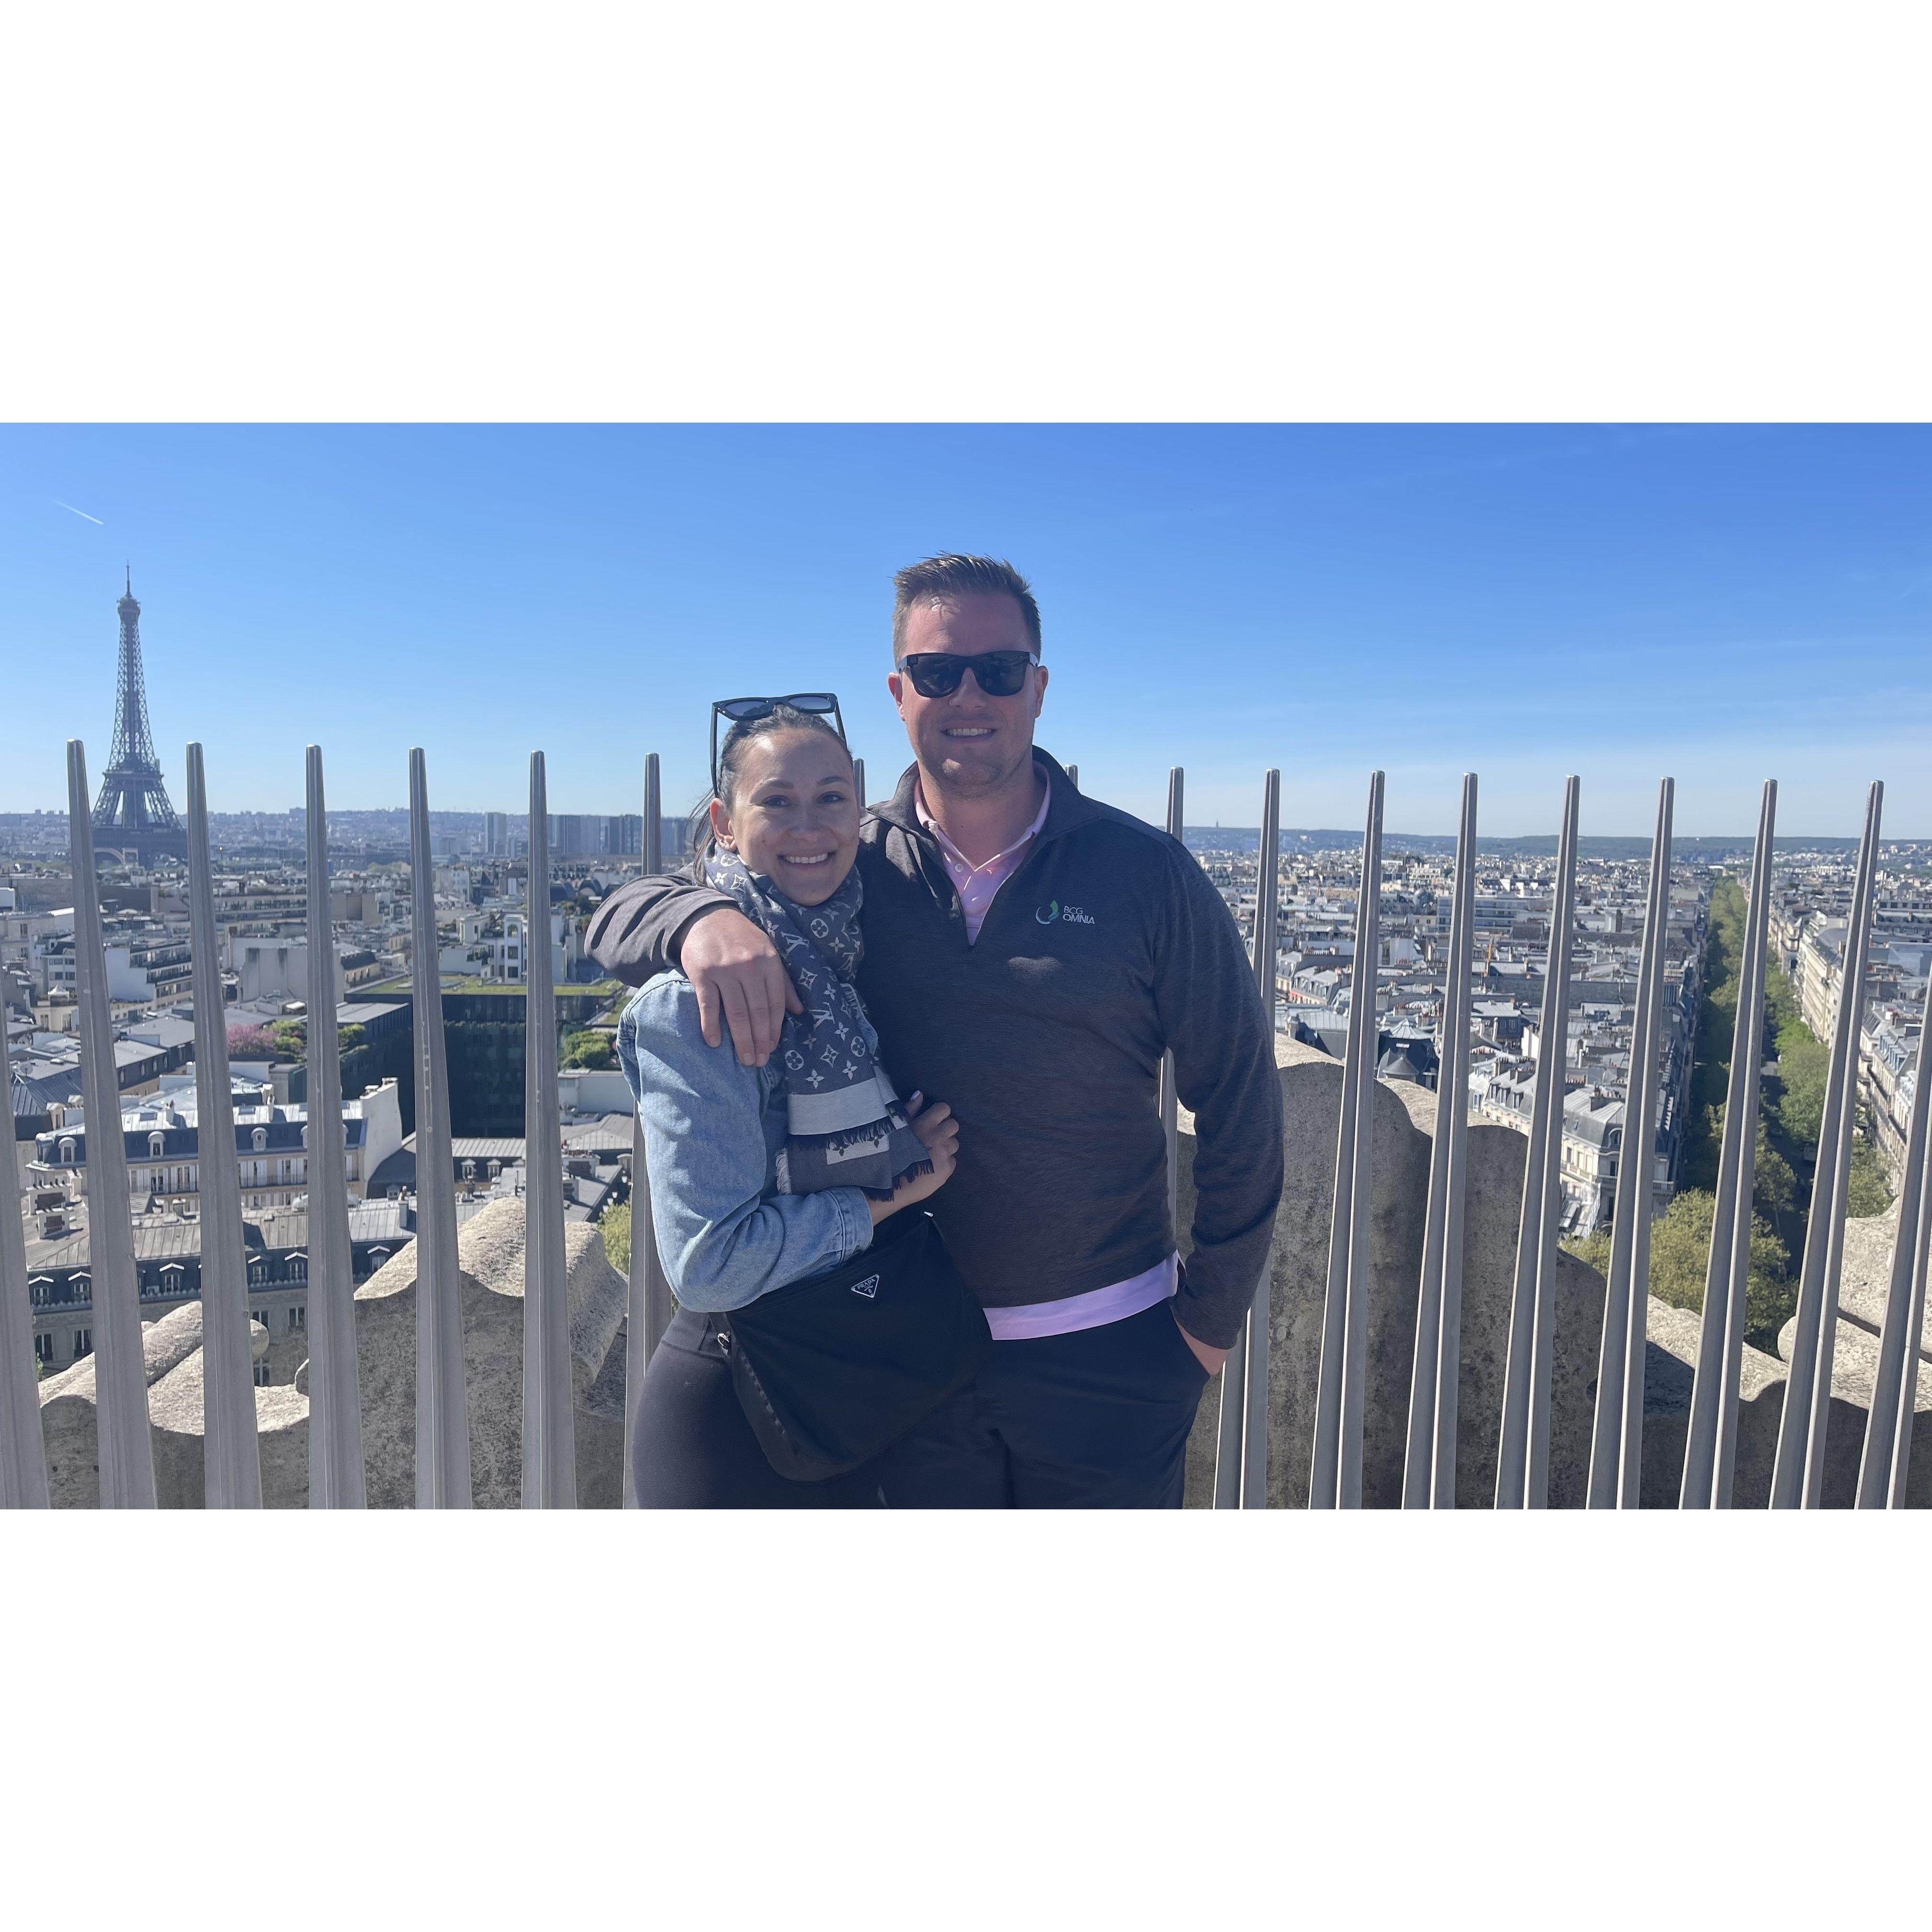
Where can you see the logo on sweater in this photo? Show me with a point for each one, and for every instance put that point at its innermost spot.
(1071, 915)
(868, 1287)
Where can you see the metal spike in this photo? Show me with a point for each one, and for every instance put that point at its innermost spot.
(1710, 1436)
(232, 1467)
(1428, 1468)
(127, 1449)
(1522, 1458)
(1616, 1439)
(335, 1474)
(1335, 1480)
(1261, 1331)
(649, 1306)
(442, 1409)
(1241, 1390)
(858, 782)
(653, 817)
(23, 1454)
(1177, 781)
(550, 1438)
(1798, 1476)
(1887, 1448)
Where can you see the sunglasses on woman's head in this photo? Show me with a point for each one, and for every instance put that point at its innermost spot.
(939, 674)
(749, 710)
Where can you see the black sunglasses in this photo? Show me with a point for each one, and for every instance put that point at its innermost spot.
(749, 710)
(939, 674)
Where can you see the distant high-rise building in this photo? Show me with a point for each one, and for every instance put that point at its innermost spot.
(624, 834)
(575, 835)
(496, 835)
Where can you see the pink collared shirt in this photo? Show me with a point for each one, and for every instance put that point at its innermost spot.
(977, 884)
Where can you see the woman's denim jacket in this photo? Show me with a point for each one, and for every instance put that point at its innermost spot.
(712, 1129)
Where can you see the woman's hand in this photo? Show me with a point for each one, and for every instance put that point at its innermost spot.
(939, 1134)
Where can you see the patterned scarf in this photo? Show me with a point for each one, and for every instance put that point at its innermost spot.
(847, 1127)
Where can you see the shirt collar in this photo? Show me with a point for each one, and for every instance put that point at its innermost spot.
(926, 819)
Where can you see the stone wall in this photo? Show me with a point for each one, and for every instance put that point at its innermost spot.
(171, 1350)
(490, 1256)
(1404, 1128)
(490, 1251)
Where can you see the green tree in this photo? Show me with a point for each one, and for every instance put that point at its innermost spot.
(588, 1049)
(1594, 1249)
(1775, 1186)
(1867, 1191)
(1804, 1067)
(1680, 1253)
(615, 1227)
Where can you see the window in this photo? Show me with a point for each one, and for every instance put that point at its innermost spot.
(298, 1318)
(262, 1375)
(259, 1139)
(157, 1147)
(298, 1267)
(67, 1153)
(258, 1272)
(83, 1342)
(43, 1347)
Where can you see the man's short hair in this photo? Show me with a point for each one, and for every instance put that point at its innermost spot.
(937, 580)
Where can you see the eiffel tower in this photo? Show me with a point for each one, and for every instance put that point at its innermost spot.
(132, 815)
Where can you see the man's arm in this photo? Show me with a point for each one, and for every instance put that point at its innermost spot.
(669, 921)
(1210, 1011)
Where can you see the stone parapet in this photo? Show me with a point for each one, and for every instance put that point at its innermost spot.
(1405, 1120)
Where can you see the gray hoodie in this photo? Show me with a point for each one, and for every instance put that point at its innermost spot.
(1107, 947)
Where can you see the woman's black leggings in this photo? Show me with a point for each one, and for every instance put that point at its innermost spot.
(694, 1449)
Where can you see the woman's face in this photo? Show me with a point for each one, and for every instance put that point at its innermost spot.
(794, 815)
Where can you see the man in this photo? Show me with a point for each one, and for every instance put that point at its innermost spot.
(1029, 955)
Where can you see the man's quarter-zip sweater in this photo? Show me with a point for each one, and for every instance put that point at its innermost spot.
(1106, 946)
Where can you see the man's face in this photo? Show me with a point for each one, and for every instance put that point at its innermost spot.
(969, 743)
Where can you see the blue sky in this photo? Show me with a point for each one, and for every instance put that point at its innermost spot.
(1725, 604)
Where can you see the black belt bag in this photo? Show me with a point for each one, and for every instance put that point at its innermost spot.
(829, 1371)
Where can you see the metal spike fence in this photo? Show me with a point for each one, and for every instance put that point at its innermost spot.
(1710, 1449)
(1336, 1481)
(442, 1407)
(1798, 1478)
(336, 1480)
(1428, 1467)
(1241, 1455)
(1523, 1451)
(233, 1465)
(648, 1305)
(127, 1449)
(1887, 1456)
(126, 1464)
(1616, 1440)
(550, 1442)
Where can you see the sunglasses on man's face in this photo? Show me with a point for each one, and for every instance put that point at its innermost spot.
(748, 710)
(938, 673)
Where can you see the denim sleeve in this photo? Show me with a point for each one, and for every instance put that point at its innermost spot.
(724, 1241)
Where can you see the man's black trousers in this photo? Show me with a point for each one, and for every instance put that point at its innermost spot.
(1098, 1419)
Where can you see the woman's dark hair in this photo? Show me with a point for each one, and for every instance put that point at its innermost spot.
(730, 755)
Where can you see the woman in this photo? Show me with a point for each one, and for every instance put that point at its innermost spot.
(743, 1203)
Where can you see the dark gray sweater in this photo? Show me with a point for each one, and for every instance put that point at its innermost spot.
(1107, 946)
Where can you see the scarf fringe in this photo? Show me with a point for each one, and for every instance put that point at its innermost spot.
(917, 1172)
